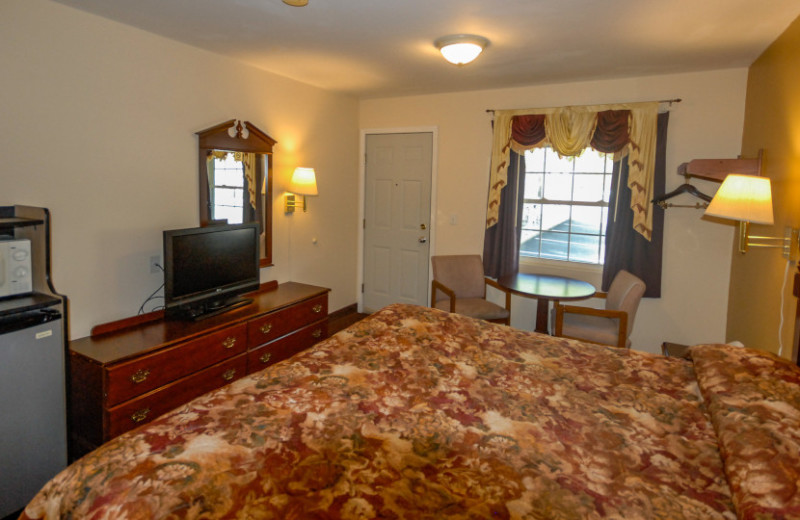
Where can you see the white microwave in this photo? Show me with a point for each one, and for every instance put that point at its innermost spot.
(15, 267)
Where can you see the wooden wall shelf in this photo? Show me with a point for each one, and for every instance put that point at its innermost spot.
(718, 169)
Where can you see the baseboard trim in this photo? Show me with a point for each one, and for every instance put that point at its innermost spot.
(344, 311)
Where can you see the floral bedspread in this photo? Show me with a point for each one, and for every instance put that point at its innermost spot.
(415, 413)
(754, 402)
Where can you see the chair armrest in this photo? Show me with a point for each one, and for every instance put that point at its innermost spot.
(436, 285)
(496, 285)
(622, 316)
(605, 313)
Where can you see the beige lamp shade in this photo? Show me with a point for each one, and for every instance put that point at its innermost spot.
(743, 197)
(304, 182)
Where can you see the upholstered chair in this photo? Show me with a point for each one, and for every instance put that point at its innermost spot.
(459, 286)
(609, 326)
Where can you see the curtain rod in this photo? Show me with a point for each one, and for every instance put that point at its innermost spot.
(670, 101)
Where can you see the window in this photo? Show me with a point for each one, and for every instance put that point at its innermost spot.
(228, 193)
(566, 205)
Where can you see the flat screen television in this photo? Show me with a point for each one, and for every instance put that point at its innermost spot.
(207, 269)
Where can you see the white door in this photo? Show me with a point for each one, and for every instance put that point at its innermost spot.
(397, 213)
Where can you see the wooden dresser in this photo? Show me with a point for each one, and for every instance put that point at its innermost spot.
(130, 372)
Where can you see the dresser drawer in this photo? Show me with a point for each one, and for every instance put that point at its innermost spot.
(279, 323)
(145, 408)
(286, 346)
(146, 373)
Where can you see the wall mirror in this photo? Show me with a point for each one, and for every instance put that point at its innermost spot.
(235, 161)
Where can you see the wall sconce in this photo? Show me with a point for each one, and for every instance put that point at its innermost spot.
(460, 49)
(304, 182)
(748, 198)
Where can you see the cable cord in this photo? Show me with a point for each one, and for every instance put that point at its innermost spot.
(152, 295)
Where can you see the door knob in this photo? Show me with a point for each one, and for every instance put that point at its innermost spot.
(422, 240)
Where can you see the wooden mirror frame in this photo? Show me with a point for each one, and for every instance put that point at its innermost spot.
(218, 138)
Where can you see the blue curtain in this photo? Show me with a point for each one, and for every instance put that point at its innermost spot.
(501, 241)
(625, 248)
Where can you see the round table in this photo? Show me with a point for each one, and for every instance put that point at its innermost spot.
(545, 287)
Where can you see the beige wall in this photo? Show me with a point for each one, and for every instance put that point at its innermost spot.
(98, 123)
(772, 123)
(707, 124)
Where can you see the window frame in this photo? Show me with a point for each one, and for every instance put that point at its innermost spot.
(542, 169)
(230, 156)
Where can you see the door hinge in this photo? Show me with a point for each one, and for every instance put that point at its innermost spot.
(362, 287)
(364, 223)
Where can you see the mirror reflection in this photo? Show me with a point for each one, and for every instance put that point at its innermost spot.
(236, 178)
(231, 176)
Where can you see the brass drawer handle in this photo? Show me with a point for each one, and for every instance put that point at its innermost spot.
(317, 333)
(229, 342)
(265, 357)
(228, 374)
(265, 328)
(140, 375)
(140, 415)
(317, 308)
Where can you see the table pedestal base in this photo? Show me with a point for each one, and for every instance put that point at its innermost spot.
(542, 310)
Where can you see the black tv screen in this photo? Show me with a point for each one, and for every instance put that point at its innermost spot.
(206, 268)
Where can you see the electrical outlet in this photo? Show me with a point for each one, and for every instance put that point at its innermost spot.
(155, 263)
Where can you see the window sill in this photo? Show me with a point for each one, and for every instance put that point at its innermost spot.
(592, 273)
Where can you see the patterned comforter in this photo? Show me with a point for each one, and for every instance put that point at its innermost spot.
(417, 413)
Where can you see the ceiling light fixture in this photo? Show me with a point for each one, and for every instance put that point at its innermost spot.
(460, 49)
(296, 3)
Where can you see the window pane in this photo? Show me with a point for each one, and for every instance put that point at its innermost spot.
(558, 186)
(590, 161)
(586, 219)
(554, 163)
(529, 243)
(532, 216)
(555, 217)
(604, 221)
(588, 188)
(229, 178)
(228, 197)
(232, 214)
(554, 245)
(534, 160)
(228, 172)
(584, 248)
(534, 186)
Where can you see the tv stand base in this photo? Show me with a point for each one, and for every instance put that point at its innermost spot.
(207, 312)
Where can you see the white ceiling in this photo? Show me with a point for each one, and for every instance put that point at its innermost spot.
(376, 48)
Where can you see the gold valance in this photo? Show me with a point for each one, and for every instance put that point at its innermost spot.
(569, 130)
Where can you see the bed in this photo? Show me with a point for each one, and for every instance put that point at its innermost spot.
(418, 413)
